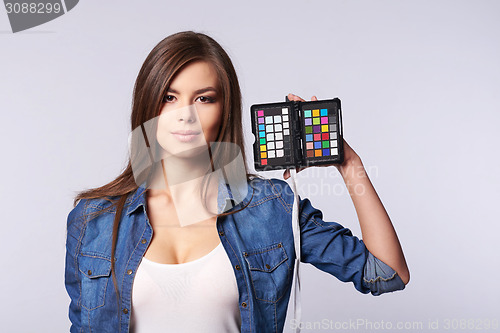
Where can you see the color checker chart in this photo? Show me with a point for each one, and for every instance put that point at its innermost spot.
(321, 135)
(295, 134)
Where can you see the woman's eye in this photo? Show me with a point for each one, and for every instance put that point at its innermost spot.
(168, 98)
(206, 99)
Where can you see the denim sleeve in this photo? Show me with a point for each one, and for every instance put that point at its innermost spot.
(379, 277)
(332, 248)
(71, 275)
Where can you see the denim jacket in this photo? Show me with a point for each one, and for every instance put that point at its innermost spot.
(258, 241)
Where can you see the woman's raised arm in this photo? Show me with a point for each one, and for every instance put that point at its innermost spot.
(378, 232)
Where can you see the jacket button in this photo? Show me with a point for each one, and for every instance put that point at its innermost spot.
(245, 254)
(221, 233)
(244, 304)
(279, 245)
(125, 310)
(267, 266)
(144, 241)
(89, 272)
(129, 271)
(237, 267)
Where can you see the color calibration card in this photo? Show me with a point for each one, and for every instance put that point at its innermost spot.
(297, 134)
(274, 136)
(320, 133)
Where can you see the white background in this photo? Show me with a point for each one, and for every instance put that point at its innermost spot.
(419, 83)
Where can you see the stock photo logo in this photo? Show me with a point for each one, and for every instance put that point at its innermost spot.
(24, 15)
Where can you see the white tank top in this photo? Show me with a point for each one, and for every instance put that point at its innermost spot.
(196, 296)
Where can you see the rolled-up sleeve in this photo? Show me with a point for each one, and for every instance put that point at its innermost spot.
(379, 277)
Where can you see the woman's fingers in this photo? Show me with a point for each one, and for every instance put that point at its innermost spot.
(293, 97)
(286, 174)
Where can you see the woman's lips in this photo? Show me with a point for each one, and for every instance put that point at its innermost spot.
(185, 136)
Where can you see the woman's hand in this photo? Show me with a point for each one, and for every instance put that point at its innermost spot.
(350, 156)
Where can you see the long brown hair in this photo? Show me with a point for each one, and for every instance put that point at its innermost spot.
(164, 61)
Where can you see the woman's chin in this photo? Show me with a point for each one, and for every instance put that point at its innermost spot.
(198, 154)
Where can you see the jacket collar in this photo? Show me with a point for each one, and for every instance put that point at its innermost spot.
(225, 198)
(136, 199)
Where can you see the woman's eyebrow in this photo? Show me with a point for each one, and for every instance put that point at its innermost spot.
(170, 90)
(204, 90)
(199, 91)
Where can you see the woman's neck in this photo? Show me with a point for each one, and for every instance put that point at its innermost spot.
(179, 182)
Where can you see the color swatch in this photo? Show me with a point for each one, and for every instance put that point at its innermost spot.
(321, 133)
(274, 135)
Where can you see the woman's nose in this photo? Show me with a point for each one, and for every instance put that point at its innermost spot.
(187, 113)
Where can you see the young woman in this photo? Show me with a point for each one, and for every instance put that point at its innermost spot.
(164, 248)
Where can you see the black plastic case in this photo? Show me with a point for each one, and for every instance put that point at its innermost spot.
(296, 154)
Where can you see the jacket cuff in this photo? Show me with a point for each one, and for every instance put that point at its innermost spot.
(379, 277)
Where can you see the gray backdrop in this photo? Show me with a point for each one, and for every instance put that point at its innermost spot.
(419, 82)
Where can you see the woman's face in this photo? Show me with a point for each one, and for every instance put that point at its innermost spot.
(191, 112)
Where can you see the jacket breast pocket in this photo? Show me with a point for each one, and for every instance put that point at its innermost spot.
(95, 278)
(269, 270)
